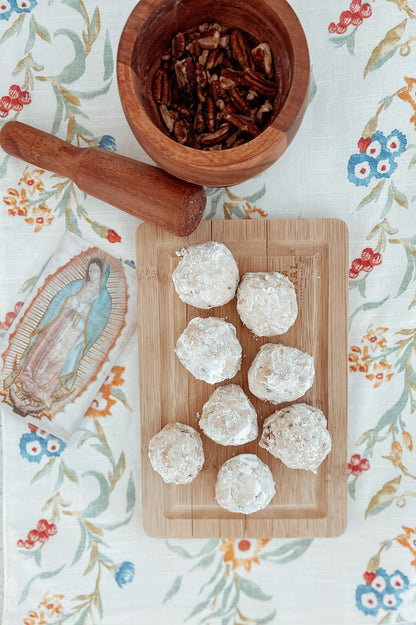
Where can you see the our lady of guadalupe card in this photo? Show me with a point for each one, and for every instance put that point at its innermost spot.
(67, 337)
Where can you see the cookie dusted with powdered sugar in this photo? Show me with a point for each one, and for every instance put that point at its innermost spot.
(209, 349)
(244, 484)
(298, 436)
(266, 303)
(176, 453)
(229, 417)
(206, 276)
(280, 373)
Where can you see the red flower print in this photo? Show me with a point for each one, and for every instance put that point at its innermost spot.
(14, 91)
(366, 10)
(357, 465)
(14, 101)
(354, 16)
(6, 103)
(41, 534)
(369, 259)
(113, 237)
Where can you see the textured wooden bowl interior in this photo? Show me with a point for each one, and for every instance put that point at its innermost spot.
(145, 39)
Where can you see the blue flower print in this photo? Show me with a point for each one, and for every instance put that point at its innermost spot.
(376, 157)
(383, 592)
(54, 446)
(107, 142)
(391, 601)
(398, 582)
(361, 168)
(24, 6)
(385, 165)
(396, 143)
(6, 9)
(367, 599)
(377, 145)
(381, 581)
(125, 574)
(32, 447)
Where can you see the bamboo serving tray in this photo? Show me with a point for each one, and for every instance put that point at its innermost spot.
(313, 254)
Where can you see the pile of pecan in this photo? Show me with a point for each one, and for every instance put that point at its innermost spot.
(216, 88)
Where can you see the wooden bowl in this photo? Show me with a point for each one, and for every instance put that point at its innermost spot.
(145, 39)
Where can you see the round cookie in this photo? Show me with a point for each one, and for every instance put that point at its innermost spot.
(209, 349)
(298, 436)
(228, 417)
(279, 373)
(176, 453)
(244, 484)
(266, 303)
(206, 276)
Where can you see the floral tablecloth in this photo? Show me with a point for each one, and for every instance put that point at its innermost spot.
(74, 547)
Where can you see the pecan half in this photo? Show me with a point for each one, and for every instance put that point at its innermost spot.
(237, 77)
(264, 112)
(240, 122)
(238, 101)
(240, 50)
(217, 90)
(210, 114)
(257, 81)
(169, 117)
(215, 58)
(180, 131)
(199, 121)
(213, 138)
(262, 57)
(161, 87)
(201, 76)
(185, 77)
(202, 58)
(210, 40)
(207, 26)
(178, 45)
(194, 48)
(184, 111)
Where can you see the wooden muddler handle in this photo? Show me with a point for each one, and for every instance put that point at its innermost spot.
(141, 190)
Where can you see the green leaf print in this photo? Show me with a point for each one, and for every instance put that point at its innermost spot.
(97, 507)
(364, 307)
(44, 575)
(174, 589)
(252, 590)
(131, 494)
(76, 68)
(288, 552)
(108, 58)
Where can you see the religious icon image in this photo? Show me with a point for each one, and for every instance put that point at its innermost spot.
(64, 336)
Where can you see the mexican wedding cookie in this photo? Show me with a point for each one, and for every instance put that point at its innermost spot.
(244, 484)
(298, 436)
(209, 349)
(176, 453)
(206, 276)
(228, 417)
(266, 303)
(279, 373)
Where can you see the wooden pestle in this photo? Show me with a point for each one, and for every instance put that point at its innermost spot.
(144, 191)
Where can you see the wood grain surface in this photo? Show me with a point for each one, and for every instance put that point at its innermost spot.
(145, 38)
(313, 254)
(134, 187)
